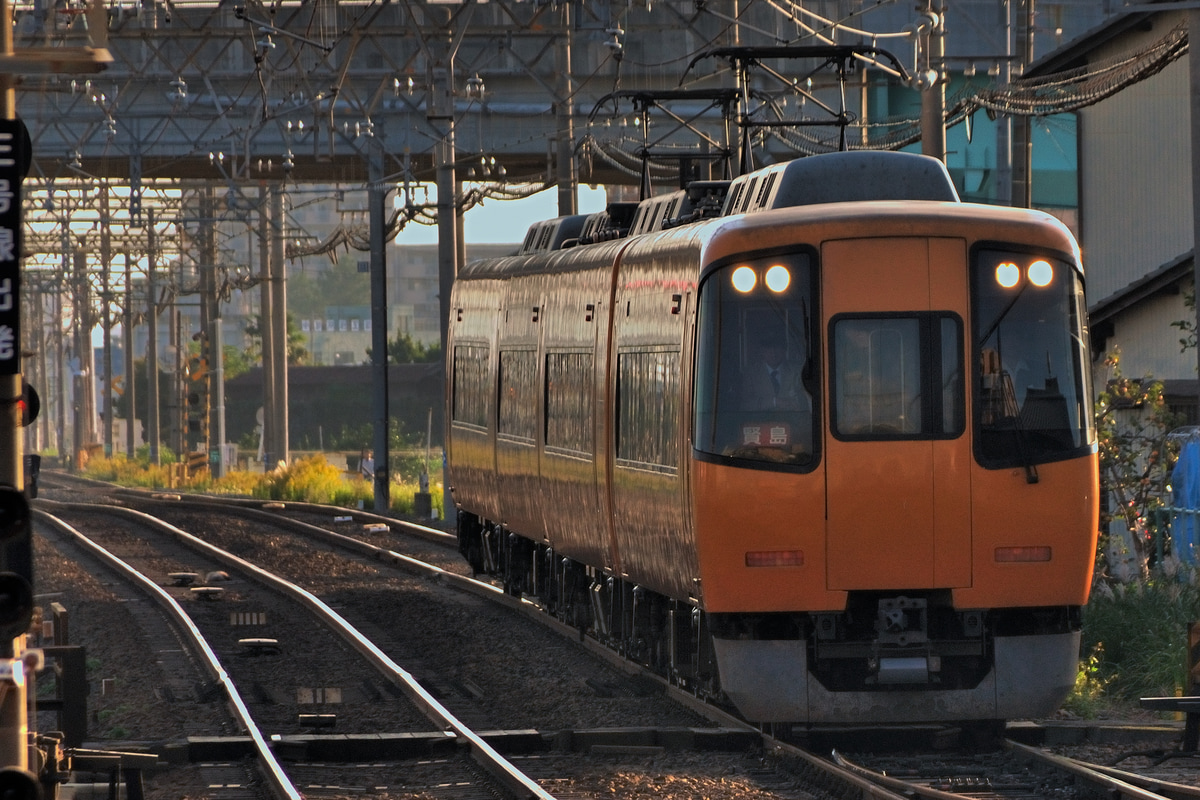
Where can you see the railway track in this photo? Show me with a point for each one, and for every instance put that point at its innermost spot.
(590, 730)
(1015, 772)
(279, 677)
(607, 753)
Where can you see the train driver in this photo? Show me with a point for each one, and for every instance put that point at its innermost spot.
(771, 382)
(776, 408)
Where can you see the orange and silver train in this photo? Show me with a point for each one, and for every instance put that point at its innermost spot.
(818, 441)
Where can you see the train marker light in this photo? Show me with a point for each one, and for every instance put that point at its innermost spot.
(1041, 273)
(775, 558)
(1007, 274)
(1014, 555)
(744, 279)
(777, 278)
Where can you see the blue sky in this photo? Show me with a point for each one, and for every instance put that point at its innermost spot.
(506, 221)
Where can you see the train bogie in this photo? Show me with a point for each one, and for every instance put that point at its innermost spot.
(835, 462)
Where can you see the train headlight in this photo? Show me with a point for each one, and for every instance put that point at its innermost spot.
(1008, 274)
(777, 278)
(1041, 273)
(744, 279)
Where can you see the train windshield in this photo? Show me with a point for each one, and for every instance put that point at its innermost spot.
(755, 373)
(1033, 396)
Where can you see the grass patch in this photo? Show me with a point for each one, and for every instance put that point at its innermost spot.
(1138, 634)
(312, 480)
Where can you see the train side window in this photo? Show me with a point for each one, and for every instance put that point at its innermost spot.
(569, 422)
(470, 385)
(648, 408)
(897, 376)
(518, 394)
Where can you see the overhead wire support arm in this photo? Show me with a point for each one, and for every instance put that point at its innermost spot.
(744, 58)
(266, 27)
(751, 55)
(645, 100)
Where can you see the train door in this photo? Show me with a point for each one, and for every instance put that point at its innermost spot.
(897, 455)
(518, 408)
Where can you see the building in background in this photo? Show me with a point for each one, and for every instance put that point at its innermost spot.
(1135, 200)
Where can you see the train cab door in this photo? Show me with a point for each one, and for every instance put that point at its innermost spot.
(897, 456)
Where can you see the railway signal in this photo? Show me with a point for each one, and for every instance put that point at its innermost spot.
(198, 399)
(29, 404)
(16, 563)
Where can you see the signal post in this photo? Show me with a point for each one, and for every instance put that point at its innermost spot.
(16, 545)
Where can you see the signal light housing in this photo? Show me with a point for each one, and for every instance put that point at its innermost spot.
(16, 563)
(29, 404)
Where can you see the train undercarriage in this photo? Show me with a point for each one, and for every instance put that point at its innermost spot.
(888, 657)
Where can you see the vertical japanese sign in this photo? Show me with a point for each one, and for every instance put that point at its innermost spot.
(12, 165)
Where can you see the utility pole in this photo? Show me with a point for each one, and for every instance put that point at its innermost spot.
(85, 399)
(152, 393)
(1022, 137)
(279, 338)
(127, 344)
(218, 387)
(14, 704)
(932, 80)
(16, 541)
(60, 371)
(379, 328)
(568, 171)
(266, 329)
(1194, 97)
(1004, 125)
(106, 316)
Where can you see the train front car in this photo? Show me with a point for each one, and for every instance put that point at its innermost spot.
(894, 490)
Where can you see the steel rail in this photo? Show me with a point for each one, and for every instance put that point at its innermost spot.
(1113, 786)
(502, 770)
(901, 787)
(1175, 791)
(849, 785)
(276, 777)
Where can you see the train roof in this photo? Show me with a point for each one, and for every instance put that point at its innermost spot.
(700, 200)
(839, 178)
(552, 234)
(855, 175)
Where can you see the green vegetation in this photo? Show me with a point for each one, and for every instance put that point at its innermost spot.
(406, 350)
(1136, 634)
(1088, 698)
(297, 353)
(311, 479)
(1135, 623)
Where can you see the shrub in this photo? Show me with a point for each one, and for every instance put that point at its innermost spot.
(402, 498)
(247, 484)
(1088, 695)
(127, 473)
(354, 489)
(311, 479)
(1141, 630)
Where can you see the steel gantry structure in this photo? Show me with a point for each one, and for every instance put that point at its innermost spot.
(166, 178)
(253, 100)
(232, 106)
